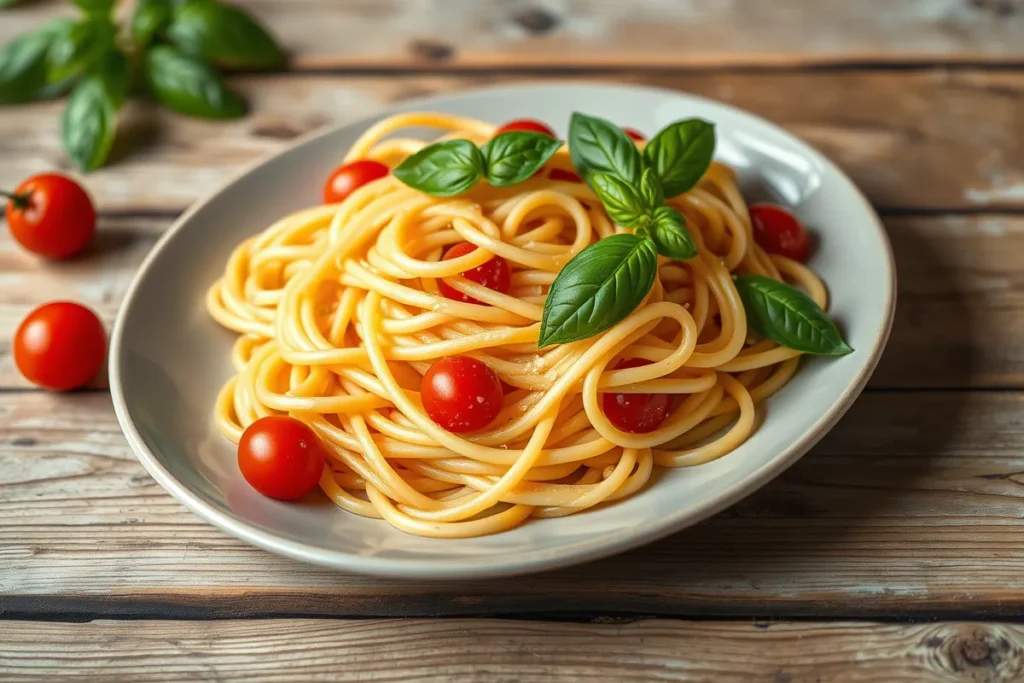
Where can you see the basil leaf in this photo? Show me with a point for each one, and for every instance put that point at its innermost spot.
(115, 70)
(443, 169)
(188, 86)
(650, 189)
(224, 36)
(624, 205)
(598, 288)
(77, 46)
(89, 121)
(681, 153)
(95, 8)
(513, 157)
(23, 65)
(149, 18)
(788, 317)
(8, 3)
(671, 236)
(597, 146)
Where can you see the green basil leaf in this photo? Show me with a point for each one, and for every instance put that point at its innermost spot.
(149, 18)
(23, 67)
(681, 153)
(115, 70)
(89, 122)
(9, 3)
(512, 157)
(624, 205)
(223, 35)
(788, 317)
(671, 236)
(78, 46)
(598, 146)
(188, 86)
(598, 288)
(443, 169)
(95, 8)
(650, 189)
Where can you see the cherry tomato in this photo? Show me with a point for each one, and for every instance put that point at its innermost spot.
(635, 413)
(51, 215)
(461, 394)
(778, 231)
(60, 346)
(493, 274)
(281, 457)
(348, 178)
(531, 125)
(567, 176)
(635, 134)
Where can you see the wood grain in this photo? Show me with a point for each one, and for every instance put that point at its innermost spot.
(549, 34)
(911, 506)
(521, 651)
(903, 137)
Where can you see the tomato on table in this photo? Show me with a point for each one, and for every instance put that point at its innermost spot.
(60, 346)
(635, 413)
(461, 394)
(494, 274)
(531, 125)
(349, 177)
(281, 457)
(635, 134)
(778, 231)
(51, 215)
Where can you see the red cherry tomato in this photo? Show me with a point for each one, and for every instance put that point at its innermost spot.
(531, 125)
(493, 274)
(461, 394)
(635, 413)
(778, 231)
(52, 216)
(281, 457)
(635, 134)
(567, 176)
(348, 178)
(60, 346)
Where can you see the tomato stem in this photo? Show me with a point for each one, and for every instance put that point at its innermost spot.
(20, 201)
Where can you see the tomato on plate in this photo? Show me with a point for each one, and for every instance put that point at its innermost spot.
(635, 134)
(493, 274)
(281, 457)
(51, 215)
(60, 346)
(531, 125)
(349, 177)
(635, 413)
(461, 394)
(778, 231)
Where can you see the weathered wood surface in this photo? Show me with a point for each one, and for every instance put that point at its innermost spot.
(549, 34)
(522, 651)
(911, 506)
(912, 140)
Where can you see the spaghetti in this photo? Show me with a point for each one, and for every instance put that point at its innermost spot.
(340, 316)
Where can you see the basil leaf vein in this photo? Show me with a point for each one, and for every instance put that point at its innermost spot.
(788, 317)
(681, 153)
(443, 169)
(513, 157)
(598, 146)
(671, 236)
(598, 288)
(624, 204)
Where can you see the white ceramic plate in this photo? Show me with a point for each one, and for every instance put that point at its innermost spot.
(168, 358)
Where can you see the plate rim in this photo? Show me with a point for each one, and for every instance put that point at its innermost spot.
(593, 548)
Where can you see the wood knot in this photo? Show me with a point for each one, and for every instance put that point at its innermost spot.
(536, 21)
(431, 50)
(968, 651)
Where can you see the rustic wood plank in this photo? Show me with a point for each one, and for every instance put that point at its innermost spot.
(474, 34)
(522, 651)
(903, 137)
(911, 506)
(959, 320)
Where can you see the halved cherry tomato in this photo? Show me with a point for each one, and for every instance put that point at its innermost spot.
(635, 134)
(778, 231)
(348, 178)
(51, 215)
(635, 413)
(531, 125)
(281, 457)
(567, 176)
(60, 346)
(461, 394)
(493, 274)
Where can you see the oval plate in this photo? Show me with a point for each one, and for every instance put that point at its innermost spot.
(168, 358)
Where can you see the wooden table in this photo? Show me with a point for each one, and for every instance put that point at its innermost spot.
(893, 552)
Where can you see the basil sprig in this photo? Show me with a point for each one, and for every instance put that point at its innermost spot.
(788, 317)
(445, 169)
(175, 46)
